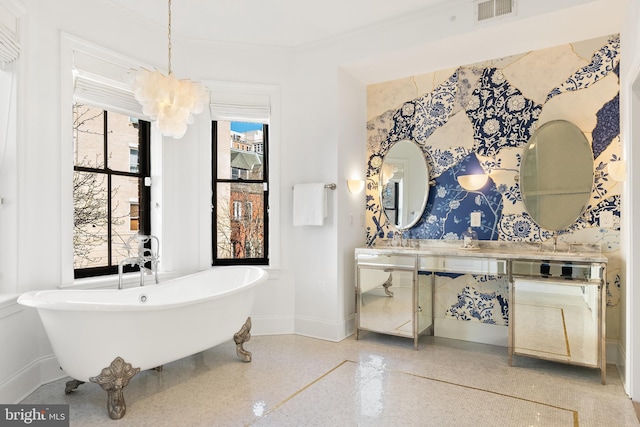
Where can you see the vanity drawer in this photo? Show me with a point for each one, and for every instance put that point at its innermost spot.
(386, 260)
(566, 270)
(471, 265)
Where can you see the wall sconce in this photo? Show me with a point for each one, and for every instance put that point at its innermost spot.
(617, 170)
(473, 182)
(387, 171)
(355, 186)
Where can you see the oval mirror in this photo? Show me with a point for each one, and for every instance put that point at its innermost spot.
(404, 184)
(556, 175)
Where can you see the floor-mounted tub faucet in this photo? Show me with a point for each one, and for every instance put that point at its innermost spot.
(145, 255)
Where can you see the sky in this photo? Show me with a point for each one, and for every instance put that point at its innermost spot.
(245, 126)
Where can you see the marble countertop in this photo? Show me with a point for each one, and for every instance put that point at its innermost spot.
(493, 249)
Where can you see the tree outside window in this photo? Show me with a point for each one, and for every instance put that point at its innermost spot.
(110, 162)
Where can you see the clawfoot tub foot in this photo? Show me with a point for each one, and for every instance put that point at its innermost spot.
(386, 285)
(72, 385)
(241, 337)
(114, 379)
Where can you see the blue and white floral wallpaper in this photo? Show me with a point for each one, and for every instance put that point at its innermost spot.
(480, 117)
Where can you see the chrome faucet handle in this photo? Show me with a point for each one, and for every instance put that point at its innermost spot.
(143, 240)
(127, 245)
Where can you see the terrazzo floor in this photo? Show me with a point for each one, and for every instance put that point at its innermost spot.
(375, 381)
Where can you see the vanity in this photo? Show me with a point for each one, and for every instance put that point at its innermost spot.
(555, 305)
(557, 298)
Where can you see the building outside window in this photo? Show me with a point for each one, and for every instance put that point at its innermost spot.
(237, 210)
(134, 165)
(240, 193)
(249, 210)
(134, 216)
(110, 200)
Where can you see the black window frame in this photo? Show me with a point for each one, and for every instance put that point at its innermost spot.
(214, 184)
(144, 200)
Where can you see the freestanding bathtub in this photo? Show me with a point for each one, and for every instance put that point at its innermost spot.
(107, 336)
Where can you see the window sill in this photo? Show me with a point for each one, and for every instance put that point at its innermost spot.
(8, 299)
(111, 281)
(130, 280)
(274, 273)
(9, 305)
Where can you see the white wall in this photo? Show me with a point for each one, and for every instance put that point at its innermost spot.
(352, 109)
(8, 181)
(630, 129)
(312, 157)
(430, 41)
(332, 151)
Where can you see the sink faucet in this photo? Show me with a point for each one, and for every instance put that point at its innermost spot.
(145, 255)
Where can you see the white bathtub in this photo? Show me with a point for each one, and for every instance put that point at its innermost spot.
(145, 326)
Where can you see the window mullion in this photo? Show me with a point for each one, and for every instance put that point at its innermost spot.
(105, 145)
(105, 127)
(144, 166)
(109, 221)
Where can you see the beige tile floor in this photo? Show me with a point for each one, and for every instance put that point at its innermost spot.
(376, 381)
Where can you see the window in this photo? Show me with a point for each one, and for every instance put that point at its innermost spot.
(237, 210)
(240, 193)
(249, 210)
(235, 173)
(134, 216)
(134, 165)
(111, 202)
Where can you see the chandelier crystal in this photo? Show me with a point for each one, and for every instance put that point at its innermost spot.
(171, 102)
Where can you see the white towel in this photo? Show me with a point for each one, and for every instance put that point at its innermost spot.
(309, 204)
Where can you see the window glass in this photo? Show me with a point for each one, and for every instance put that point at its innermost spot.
(123, 189)
(90, 218)
(236, 226)
(110, 200)
(237, 209)
(134, 217)
(134, 163)
(122, 134)
(240, 191)
(88, 133)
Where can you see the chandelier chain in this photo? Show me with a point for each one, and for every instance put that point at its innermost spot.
(172, 103)
(169, 37)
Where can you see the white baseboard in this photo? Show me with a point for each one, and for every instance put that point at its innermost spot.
(323, 329)
(615, 352)
(271, 325)
(616, 355)
(26, 381)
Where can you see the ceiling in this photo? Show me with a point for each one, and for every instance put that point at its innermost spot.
(278, 23)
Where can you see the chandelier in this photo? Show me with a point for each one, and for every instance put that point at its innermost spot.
(167, 100)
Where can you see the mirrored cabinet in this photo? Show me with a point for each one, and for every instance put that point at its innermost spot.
(391, 297)
(557, 299)
(557, 312)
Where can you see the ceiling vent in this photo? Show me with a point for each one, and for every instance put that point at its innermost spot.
(488, 9)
